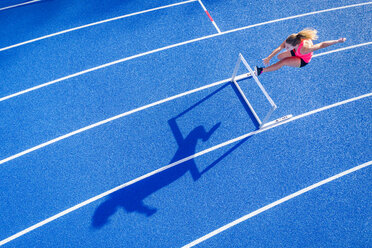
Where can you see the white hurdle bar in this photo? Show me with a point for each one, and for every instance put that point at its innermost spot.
(235, 78)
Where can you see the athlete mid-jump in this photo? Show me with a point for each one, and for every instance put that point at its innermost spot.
(299, 48)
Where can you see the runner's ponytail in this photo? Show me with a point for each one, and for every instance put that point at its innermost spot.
(306, 34)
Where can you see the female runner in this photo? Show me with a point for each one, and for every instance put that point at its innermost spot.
(299, 48)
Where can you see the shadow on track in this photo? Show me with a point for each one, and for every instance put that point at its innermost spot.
(131, 198)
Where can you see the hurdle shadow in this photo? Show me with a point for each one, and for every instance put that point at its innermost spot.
(247, 109)
(131, 198)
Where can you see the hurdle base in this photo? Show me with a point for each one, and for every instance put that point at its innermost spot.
(243, 76)
(272, 123)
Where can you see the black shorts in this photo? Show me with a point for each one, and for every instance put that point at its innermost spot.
(303, 63)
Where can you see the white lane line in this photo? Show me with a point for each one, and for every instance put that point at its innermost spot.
(226, 32)
(210, 17)
(298, 16)
(109, 120)
(276, 203)
(116, 117)
(90, 70)
(21, 4)
(133, 57)
(93, 24)
(166, 48)
(80, 205)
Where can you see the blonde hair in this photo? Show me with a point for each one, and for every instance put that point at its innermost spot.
(306, 34)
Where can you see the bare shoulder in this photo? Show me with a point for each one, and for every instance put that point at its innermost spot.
(307, 47)
(308, 43)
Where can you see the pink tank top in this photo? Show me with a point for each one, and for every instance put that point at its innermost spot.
(305, 57)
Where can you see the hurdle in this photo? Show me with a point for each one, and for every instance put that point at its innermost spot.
(251, 74)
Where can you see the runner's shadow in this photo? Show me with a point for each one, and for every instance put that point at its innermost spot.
(131, 198)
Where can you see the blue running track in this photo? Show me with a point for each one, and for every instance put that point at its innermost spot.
(120, 128)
